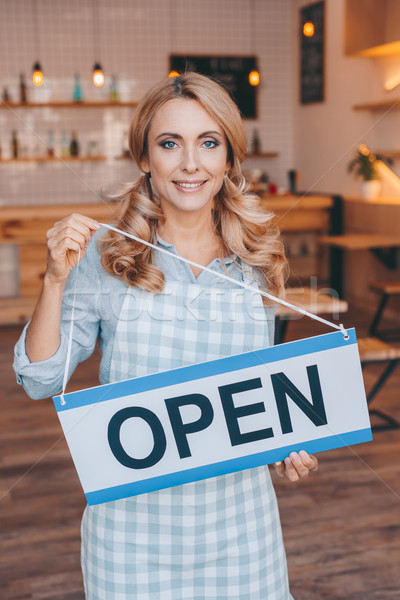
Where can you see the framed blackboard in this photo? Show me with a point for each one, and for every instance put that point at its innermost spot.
(231, 71)
(312, 53)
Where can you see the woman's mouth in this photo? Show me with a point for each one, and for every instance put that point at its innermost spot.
(189, 185)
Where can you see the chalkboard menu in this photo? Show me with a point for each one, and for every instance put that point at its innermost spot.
(312, 53)
(231, 71)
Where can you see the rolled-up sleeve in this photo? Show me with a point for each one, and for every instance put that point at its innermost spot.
(44, 378)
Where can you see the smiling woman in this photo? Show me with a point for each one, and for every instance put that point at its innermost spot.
(188, 166)
(218, 538)
(188, 138)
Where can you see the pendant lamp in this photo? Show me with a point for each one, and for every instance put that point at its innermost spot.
(254, 75)
(37, 75)
(98, 75)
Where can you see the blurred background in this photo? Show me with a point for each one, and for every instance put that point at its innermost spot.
(318, 84)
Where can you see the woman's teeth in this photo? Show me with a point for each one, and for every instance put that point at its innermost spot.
(189, 185)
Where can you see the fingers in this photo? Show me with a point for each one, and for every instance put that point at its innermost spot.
(64, 240)
(297, 466)
(280, 468)
(76, 228)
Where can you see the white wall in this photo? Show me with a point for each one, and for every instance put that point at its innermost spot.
(326, 134)
(135, 40)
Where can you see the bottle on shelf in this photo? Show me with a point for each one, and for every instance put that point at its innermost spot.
(65, 146)
(125, 144)
(50, 145)
(14, 145)
(77, 96)
(255, 142)
(74, 145)
(22, 89)
(114, 94)
(6, 95)
(263, 185)
(93, 147)
(292, 175)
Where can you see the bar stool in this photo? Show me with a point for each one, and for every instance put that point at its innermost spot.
(373, 350)
(387, 290)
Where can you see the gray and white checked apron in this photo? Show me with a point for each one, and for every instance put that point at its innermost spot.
(217, 539)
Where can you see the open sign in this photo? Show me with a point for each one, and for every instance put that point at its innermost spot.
(216, 417)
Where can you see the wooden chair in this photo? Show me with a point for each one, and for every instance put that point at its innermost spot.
(373, 350)
(387, 290)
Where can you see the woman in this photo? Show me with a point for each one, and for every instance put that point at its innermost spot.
(219, 538)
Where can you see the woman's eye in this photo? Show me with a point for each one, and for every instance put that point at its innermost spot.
(210, 144)
(168, 144)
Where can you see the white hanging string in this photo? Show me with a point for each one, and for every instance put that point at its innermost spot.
(240, 283)
(194, 264)
(71, 327)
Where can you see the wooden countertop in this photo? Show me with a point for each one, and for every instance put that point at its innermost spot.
(360, 241)
(58, 211)
(54, 211)
(300, 213)
(286, 202)
(380, 201)
(29, 224)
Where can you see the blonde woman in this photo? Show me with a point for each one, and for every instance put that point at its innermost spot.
(218, 538)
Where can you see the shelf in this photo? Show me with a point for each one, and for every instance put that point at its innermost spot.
(395, 154)
(383, 105)
(48, 159)
(262, 155)
(388, 49)
(68, 104)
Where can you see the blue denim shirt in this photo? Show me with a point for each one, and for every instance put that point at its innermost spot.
(98, 302)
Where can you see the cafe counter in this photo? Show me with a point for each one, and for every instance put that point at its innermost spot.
(23, 241)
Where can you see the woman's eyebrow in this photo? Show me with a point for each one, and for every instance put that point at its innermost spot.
(179, 137)
(212, 132)
(175, 135)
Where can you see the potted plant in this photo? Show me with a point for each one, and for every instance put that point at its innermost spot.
(365, 165)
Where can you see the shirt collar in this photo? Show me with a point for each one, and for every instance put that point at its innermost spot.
(167, 245)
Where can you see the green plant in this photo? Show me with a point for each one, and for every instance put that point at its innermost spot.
(365, 163)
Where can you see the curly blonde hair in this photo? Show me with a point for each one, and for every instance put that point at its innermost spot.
(242, 223)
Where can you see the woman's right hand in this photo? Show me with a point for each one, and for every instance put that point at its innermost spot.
(63, 243)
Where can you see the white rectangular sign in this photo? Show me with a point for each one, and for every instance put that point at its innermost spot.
(217, 417)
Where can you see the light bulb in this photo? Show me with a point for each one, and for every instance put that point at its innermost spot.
(37, 74)
(308, 29)
(98, 75)
(254, 77)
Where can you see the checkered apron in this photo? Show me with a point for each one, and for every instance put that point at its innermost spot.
(217, 539)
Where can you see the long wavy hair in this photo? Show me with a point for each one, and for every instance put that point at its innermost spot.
(242, 223)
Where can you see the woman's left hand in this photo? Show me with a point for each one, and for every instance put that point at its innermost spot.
(297, 466)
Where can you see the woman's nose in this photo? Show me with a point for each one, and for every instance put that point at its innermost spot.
(190, 162)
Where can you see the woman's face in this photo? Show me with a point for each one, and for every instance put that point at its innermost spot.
(187, 157)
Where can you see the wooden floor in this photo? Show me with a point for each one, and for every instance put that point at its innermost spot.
(341, 527)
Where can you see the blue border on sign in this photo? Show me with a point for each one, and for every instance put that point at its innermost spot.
(228, 466)
(137, 385)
